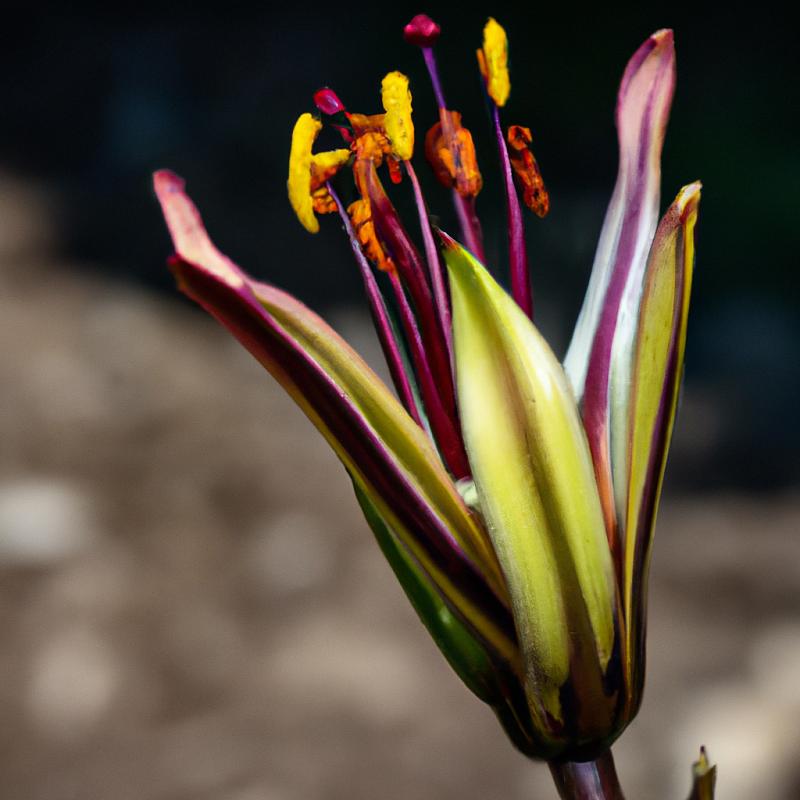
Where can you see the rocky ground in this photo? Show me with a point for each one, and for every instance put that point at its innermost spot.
(191, 606)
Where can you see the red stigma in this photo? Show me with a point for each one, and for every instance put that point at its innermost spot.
(327, 101)
(421, 31)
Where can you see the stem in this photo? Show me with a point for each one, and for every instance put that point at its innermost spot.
(587, 780)
(434, 264)
(517, 254)
(383, 327)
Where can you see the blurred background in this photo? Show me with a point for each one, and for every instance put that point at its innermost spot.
(190, 603)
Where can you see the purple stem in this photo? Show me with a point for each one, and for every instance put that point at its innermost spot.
(409, 264)
(517, 253)
(589, 780)
(442, 423)
(465, 206)
(383, 326)
(433, 71)
(470, 225)
(434, 262)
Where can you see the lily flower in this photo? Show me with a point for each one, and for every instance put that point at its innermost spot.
(514, 498)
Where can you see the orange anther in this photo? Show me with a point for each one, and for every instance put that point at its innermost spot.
(451, 153)
(361, 215)
(526, 170)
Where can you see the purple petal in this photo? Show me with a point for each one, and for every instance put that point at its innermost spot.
(603, 338)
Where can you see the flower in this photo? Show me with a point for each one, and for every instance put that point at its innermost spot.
(514, 498)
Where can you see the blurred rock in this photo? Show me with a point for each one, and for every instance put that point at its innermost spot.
(42, 521)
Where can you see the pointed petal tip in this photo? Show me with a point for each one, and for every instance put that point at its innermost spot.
(165, 180)
(664, 37)
(445, 240)
(688, 199)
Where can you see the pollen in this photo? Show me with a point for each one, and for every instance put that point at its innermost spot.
(451, 153)
(526, 170)
(398, 124)
(305, 132)
(493, 61)
(361, 215)
(325, 165)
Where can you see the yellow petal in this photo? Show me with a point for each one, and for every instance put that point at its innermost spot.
(535, 481)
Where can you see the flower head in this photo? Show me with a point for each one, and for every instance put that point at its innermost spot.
(514, 498)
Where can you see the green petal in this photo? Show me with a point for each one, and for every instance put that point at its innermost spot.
(656, 367)
(470, 659)
(535, 482)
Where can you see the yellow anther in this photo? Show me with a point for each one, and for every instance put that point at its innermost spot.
(493, 61)
(305, 132)
(325, 165)
(398, 124)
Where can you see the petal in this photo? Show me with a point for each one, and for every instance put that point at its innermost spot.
(657, 366)
(372, 434)
(535, 482)
(465, 653)
(604, 332)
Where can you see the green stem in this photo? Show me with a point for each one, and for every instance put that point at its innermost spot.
(587, 780)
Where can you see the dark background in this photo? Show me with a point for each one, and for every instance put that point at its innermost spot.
(94, 101)
(191, 606)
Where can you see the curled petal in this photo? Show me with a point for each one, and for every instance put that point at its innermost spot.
(379, 444)
(535, 482)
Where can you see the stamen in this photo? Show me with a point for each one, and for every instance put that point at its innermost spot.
(328, 102)
(380, 318)
(305, 132)
(442, 423)
(451, 153)
(438, 390)
(517, 253)
(526, 171)
(423, 32)
(435, 271)
(493, 62)
(360, 213)
(398, 124)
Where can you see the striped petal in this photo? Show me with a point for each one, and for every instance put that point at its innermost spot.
(598, 356)
(388, 455)
(535, 482)
(465, 653)
(656, 367)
